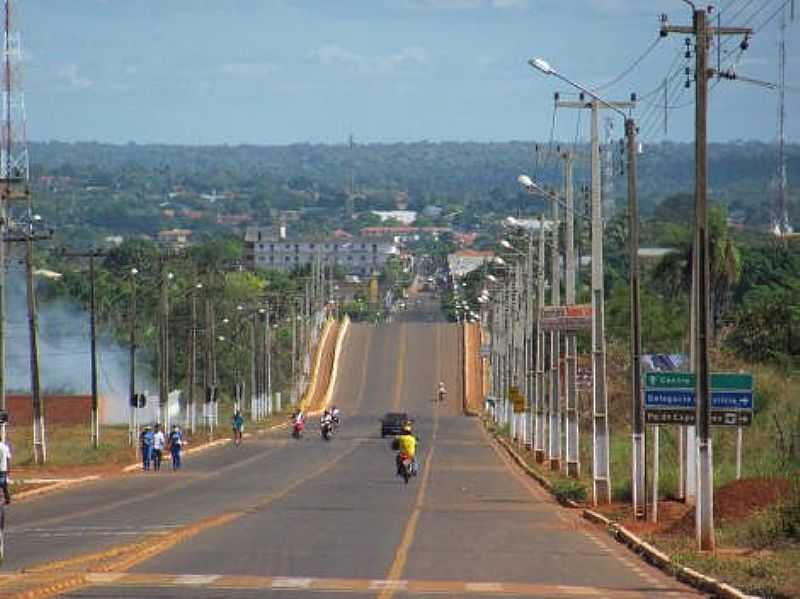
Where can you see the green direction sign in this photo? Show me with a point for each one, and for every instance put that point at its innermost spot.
(669, 398)
(720, 381)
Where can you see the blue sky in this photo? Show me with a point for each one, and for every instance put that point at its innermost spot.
(285, 71)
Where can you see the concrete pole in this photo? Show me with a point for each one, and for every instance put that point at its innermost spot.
(132, 401)
(704, 515)
(538, 436)
(601, 471)
(93, 357)
(192, 411)
(654, 511)
(39, 436)
(637, 400)
(573, 418)
(555, 350)
(3, 198)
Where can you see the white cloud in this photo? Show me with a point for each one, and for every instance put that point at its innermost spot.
(409, 56)
(510, 3)
(334, 54)
(70, 73)
(249, 70)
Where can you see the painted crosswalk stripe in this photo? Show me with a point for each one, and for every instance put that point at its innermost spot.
(198, 579)
(291, 583)
(394, 585)
(483, 587)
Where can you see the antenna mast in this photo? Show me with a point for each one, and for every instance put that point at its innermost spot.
(781, 224)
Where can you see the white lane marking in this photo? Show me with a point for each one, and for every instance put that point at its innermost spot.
(286, 582)
(197, 579)
(103, 577)
(569, 590)
(483, 587)
(394, 585)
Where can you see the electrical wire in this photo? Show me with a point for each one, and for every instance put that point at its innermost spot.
(629, 69)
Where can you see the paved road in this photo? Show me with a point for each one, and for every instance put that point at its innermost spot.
(304, 517)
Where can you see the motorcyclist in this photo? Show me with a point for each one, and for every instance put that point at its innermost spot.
(326, 418)
(442, 393)
(406, 443)
(335, 416)
(298, 417)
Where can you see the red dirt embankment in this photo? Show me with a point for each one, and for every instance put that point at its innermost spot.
(321, 379)
(473, 369)
(735, 501)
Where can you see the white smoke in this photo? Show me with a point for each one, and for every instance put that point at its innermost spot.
(65, 352)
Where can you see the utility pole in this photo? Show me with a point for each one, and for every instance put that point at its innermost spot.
(133, 401)
(163, 345)
(555, 348)
(637, 403)
(601, 469)
(571, 358)
(192, 410)
(571, 395)
(704, 514)
(92, 254)
(39, 438)
(540, 381)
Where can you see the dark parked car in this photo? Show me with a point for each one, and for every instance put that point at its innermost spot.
(393, 422)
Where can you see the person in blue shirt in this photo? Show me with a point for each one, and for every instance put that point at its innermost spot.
(238, 427)
(146, 441)
(175, 446)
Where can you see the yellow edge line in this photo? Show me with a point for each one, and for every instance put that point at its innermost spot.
(133, 554)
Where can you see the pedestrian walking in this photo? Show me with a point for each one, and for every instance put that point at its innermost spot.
(5, 469)
(159, 442)
(146, 442)
(238, 427)
(176, 443)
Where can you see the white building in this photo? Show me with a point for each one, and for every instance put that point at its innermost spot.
(268, 249)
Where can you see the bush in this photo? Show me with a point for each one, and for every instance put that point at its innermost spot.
(566, 489)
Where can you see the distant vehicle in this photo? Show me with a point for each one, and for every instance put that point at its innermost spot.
(392, 423)
(352, 279)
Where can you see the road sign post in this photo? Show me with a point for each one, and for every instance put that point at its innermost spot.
(670, 398)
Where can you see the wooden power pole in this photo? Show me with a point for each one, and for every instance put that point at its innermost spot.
(704, 514)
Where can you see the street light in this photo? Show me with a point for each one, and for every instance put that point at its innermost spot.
(638, 462)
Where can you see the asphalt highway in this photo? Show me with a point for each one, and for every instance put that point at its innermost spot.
(279, 517)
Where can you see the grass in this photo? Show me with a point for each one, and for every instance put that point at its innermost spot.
(70, 446)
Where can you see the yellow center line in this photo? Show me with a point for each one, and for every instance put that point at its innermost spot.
(364, 363)
(400, 371)
(123, 557)
(401, 556)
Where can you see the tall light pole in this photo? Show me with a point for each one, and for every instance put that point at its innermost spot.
(637, 403)
(133, 401)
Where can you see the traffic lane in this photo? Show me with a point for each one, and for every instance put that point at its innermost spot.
(191, 499)
(105, 513)
(481, 516)
(343, 523)
(339, 522)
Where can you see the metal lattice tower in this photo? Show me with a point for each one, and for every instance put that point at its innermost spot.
(607, 171)
(14, 165)
(780, 213)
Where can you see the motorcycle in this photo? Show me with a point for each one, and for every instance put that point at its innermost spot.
(297, 429)
(327, 431)
(406, 467)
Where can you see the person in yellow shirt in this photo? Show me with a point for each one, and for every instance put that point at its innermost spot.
(406, 444)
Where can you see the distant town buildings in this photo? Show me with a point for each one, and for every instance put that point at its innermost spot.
(406, 217)
(174, 238)
(465, 261)
(266, 247)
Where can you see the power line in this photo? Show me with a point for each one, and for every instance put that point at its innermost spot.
(629, 69)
